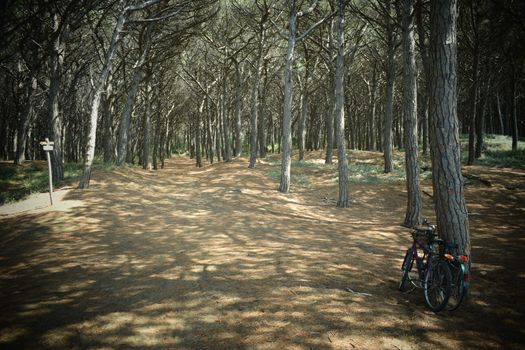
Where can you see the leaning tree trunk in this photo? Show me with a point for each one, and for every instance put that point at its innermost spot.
(101, 86)
(414, 206)
(339, 109)
(451, 210)
(99, 89)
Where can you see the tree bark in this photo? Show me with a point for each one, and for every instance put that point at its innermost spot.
(286, 143)
(480, 121)
(512, 113)
(305, 108)
(25, 120)
(389, 104)
(146, 149)
(55, 117)
(138, 74)
(423, 50)
(225, 118)
(372, 111)
(100, 87)
(238, 111)
(108, 125)
(414, 205)
(342, 202)
(330, 98)
(451, 210)
(255, 97)
(473, 107)
(263, 123)
(500, 114)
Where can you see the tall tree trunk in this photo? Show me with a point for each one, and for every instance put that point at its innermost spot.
(99, 89)
(372, 110)
(423, 50)
(500, 114)
(55, 118)
(414, 205)
(451, 210)
(512, 113)
(238, 111)
(24, 121)
(302, 122)
(226, 119)
(473, 107)
(286, 143)
(101, 86)
(339, 109)
(146, 149)
(209, 131)
(108, 124)
(263, 123)
(138, 74)
(304, 107)
(255, 96)
(480, 120)
(330, 98)
(389, 107)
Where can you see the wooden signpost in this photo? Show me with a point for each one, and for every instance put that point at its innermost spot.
(48, 147)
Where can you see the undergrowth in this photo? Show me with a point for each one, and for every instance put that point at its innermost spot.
(18, 182)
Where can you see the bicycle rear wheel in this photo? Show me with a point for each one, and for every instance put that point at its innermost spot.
(459, 286)
(437, 285)
(406, 267)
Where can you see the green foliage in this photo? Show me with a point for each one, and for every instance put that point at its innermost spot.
(304, 164)
(504, 158)
(297, 179)
(363, 172)
(17, 182)
(497, 152)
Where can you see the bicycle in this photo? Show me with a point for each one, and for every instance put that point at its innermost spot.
(433, 273)
(459, 266)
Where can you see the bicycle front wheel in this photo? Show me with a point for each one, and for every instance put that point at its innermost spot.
(437, 285)
(406, 267)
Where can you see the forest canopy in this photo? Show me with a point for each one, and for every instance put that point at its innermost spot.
(135, 81)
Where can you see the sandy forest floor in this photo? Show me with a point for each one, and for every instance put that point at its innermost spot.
(217, 258)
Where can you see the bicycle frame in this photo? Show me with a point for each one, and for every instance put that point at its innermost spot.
(421, 251)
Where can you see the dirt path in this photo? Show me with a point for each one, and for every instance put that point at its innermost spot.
(216, 258)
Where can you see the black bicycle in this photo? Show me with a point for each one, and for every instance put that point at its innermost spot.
(432, 271)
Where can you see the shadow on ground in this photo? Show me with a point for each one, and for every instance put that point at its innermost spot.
(216, 258)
